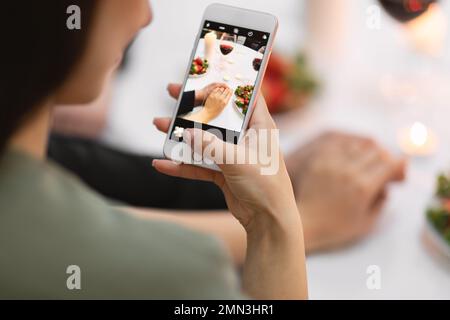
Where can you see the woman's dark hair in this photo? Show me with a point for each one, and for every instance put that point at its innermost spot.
(38, 53)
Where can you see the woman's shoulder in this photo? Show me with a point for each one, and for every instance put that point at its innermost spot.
(32, 185)
(59, 222)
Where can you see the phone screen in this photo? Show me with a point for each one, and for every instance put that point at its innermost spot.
(221, 80)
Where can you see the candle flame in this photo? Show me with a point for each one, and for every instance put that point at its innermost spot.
(418, 134)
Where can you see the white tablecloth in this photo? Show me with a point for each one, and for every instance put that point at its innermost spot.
(353, 98)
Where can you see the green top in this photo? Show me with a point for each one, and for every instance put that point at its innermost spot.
(49, 221)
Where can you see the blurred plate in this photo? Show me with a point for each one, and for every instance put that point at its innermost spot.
(436, 240)
(433, 236)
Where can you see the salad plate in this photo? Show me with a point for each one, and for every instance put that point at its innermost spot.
(243, 95)
(438, 216)
(199, 68)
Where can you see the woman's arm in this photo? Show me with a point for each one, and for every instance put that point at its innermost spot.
(224, 226)
(220, 224)
(275, 265)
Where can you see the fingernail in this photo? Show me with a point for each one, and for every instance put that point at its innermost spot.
(153, 162)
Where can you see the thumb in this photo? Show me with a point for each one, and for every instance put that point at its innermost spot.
(261, 118)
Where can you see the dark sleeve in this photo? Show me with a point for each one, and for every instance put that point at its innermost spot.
(130, 178)
(187, 103)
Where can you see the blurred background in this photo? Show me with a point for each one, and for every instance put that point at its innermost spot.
(378, 68)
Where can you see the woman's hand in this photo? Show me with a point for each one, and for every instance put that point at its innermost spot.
(264, 205)
(246, 190)
(340, 182)
(216, 101)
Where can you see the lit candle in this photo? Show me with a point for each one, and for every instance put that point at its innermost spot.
(417, 140)
(210, 43)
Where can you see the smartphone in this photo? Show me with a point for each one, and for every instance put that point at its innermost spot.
(223, 78)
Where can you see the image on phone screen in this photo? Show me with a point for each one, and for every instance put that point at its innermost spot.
(221, 80)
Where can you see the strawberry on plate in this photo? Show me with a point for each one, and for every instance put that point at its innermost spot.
(199, 67)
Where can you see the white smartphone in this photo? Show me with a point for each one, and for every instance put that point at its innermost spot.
(223, 77)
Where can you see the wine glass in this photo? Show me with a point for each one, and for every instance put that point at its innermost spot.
(257, 61)
(412, 84)
(257, 64)
(406, 10)
(227, 45)
(423, 21)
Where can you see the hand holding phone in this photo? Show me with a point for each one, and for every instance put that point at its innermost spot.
(223, 77)
(263, 204)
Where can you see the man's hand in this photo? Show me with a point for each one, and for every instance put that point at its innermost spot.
(200, 95)
(217, 101)
(340, 183)
(214, 105)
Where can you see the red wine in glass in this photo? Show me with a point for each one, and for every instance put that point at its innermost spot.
(257, 64)
(226, 49)
(406, 10)
(227, 43)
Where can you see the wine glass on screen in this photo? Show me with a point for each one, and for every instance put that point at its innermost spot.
(257, 64)
(227, 45)
(258, 60)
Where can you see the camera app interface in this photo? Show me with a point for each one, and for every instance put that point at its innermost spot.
(221, 80)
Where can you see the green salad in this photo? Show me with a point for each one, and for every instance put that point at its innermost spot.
(243, 96)
(439, 215)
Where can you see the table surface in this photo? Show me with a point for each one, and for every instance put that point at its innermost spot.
(361, 93)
